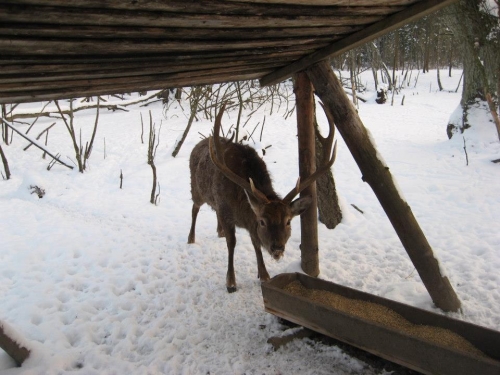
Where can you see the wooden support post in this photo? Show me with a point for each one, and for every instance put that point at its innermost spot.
(377, 175)
(307, 165)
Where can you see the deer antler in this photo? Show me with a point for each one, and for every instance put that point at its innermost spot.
(217, 156)
(327, 161)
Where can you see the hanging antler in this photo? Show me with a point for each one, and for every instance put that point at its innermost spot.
(217, 156)
(327, 161)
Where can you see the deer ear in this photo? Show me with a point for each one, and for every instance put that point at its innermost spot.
(298, 206)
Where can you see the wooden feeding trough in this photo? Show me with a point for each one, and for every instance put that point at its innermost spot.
(477, 351)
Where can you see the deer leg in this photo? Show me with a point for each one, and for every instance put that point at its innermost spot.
(194, 215)
(231, 244)
(262, 274)
(220, 230)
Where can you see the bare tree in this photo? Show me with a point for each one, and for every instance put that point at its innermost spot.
(5, 164)
(476, 25)
(152, 147)
(195, 97)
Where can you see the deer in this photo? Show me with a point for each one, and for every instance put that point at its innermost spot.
(234, 181)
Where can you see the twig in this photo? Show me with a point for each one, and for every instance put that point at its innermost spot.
(37, 117)
(262, 129)
(40, 135)
(465, 150)
(142, 130)
(35, 143)
(356, 207)
(5, 164)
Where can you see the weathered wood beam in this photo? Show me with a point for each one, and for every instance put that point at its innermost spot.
(393, 22)
(377, 175)
(329, 2)
(263, 54)
(16, 66)
(103, 47)
(30, 30)
(131, 80)
(123, 85)
(99, 17)
(307, 165)
(228, 8)
(58, 73)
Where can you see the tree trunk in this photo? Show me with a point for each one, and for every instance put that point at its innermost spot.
(352, 68)
(5, 129)
(438, 40)
(396, 57)
(427, 46)
(480, 59)
(450, 57)
(307, 166)
(377, 175)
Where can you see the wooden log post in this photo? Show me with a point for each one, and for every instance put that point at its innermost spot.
(18, 352)
(307, 165)
(377, 175)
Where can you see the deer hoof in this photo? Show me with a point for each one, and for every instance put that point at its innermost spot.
(264, 278)
(231, 289)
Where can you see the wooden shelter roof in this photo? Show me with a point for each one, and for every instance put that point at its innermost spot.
(52, 49)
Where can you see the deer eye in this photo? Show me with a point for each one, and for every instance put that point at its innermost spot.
(262, 223)
(288, 223)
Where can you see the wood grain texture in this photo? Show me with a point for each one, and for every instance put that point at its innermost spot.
(47, 44)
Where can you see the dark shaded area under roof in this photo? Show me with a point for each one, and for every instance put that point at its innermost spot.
(56, 49)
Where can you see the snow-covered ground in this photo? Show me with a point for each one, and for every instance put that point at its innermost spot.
(96, 280)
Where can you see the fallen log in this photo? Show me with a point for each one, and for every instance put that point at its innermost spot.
(14, 349)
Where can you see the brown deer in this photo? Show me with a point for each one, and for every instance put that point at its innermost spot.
(234, 181)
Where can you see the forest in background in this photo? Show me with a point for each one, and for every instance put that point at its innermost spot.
(465, 35)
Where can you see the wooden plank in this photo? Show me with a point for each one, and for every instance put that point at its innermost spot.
(56, 75)
(377, 175)
(130, 81)
(24, 68)
(123, 86)
(118, 32)
(337, 8)
(100, 17)
(190, 57)
(103, 47)
(332, 2)
(359, 38)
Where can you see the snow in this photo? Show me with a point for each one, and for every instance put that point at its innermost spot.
(96, 280)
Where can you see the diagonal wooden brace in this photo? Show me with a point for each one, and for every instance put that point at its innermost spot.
(378, 176)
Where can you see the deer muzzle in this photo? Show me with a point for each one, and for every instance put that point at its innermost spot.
(277, 251)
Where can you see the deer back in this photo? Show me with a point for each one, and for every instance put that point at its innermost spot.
(209, 184)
